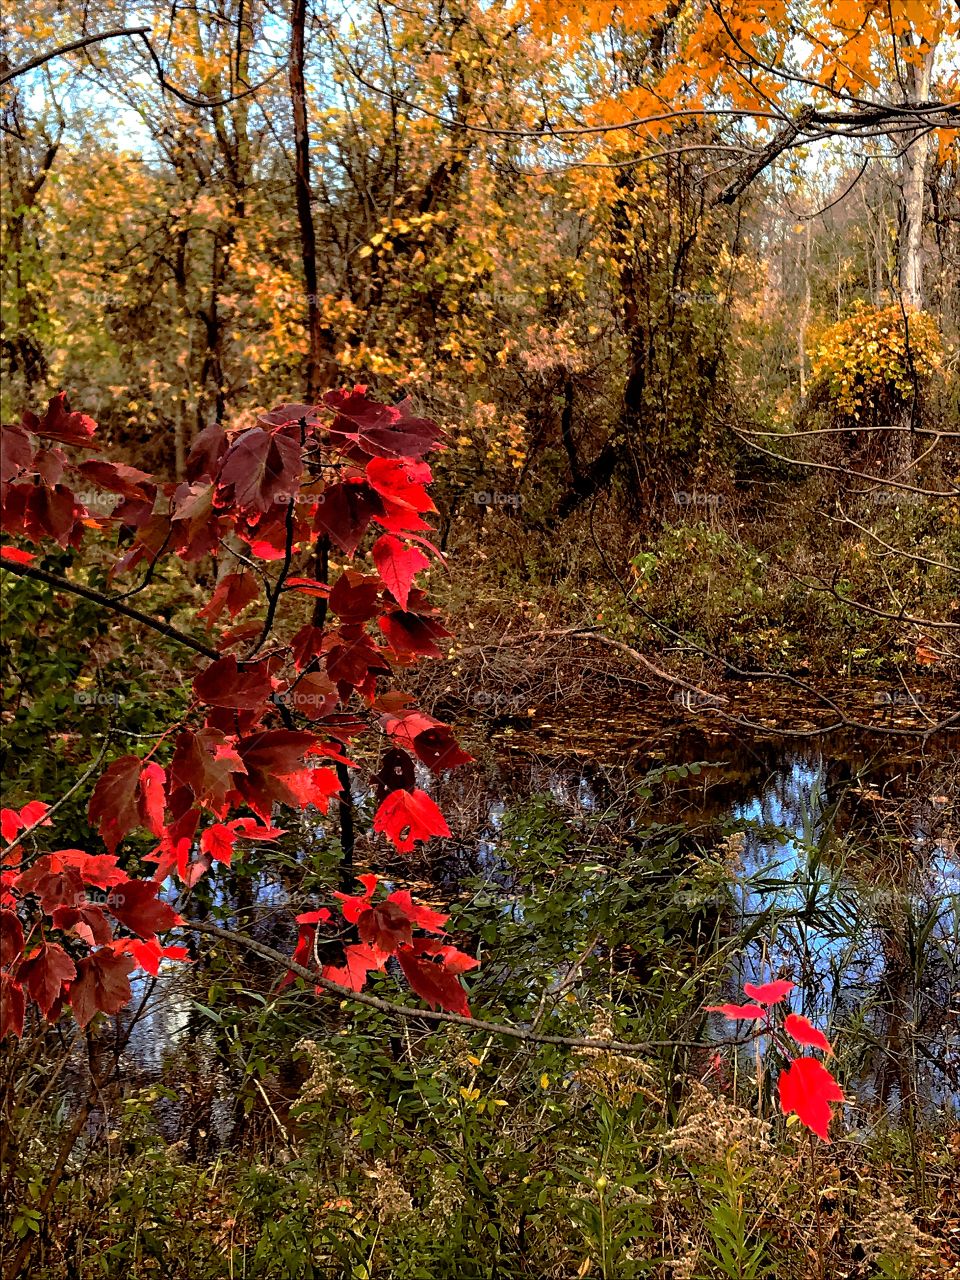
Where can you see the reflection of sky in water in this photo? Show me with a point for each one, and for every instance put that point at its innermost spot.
(826, 930)
(833, 933)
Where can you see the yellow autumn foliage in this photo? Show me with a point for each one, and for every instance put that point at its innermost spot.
(870, 361)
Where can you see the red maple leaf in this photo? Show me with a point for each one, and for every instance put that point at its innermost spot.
(808, 1088)
(408, 816)
(233, 592)
(208, 448)
(225, 684)
(102, 984)
(352, 906)
(354, 598)
(770, 993)
(16, 555)
(204, 764)
(148, 953)
(44, 972)
(439, 749)
(127, 795)
(218, 841)
(54, 883)
(86, 922)
(274, 772)
(117, 477)
(398, 564)
(345, 512)
(97, 869)
(260, 468)
(359, 960)
(805, 1033)
(385, 926)
(423, 917)
(434, 982)
(412, 635)
(134, 903)
(59, 423)
(11, 937)
(735, 1011)
(12, 1007)
(379, 429)
(17, 448)
(312, 695)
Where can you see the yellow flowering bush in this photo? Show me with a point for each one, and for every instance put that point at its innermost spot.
(863, 360)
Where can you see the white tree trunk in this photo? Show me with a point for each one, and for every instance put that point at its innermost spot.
(913, 165)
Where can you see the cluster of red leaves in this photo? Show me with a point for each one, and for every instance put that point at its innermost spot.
(273, 715)
(806, 1087)
(84, 896)
(385, 929)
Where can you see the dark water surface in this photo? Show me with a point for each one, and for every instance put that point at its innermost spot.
(847, 850)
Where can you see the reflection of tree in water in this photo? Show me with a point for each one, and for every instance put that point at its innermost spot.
(847, 864)
(864, 894)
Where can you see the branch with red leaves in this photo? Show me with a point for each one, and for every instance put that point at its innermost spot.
(262, 733)
(805, 1086)
(509, 1031)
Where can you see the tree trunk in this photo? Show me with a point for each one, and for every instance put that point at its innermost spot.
(321, 367)
(916, 88)
(916, 77)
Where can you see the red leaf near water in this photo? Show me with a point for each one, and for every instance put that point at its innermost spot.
(86, 922)
(358, 962)
(134, 903)
(148, 953)
(204, 764)
(54, 883)
(44, 972)
(126, 796)
(408, 816)
(434, 982)
(97, 869)
(102, 984)
(218, 841)
(808, 1088)
(12, 1007)
(439, 749)
(736, 1011)
(804, 1032)
(268, 758)
(769, 993)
